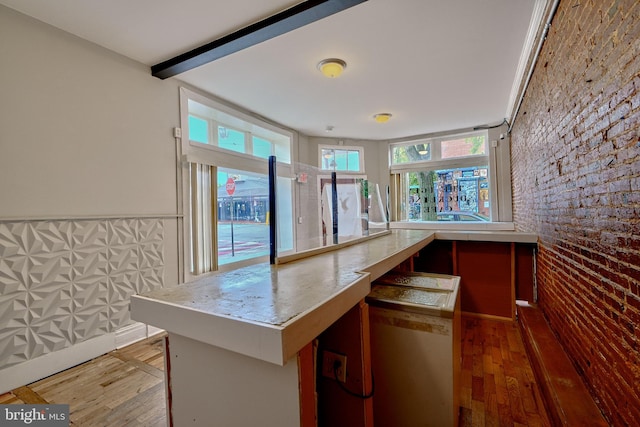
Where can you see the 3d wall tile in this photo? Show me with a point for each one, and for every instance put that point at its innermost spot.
(63, 282)
(90, 280)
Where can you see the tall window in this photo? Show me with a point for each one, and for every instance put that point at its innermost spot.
(227, 205)
(443, 179)
(243, 215)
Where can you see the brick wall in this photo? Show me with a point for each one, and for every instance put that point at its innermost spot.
(576, 182)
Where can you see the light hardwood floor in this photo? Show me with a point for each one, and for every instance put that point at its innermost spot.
(126, 387)
(122, 388)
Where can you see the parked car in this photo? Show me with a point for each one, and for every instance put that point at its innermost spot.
(461, 216)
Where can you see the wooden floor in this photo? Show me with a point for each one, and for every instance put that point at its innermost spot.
(498, 386)
(121, 388)
(126, 386)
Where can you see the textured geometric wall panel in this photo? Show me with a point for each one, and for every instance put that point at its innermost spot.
(63, 282)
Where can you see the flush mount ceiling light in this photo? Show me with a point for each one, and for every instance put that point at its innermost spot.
(382, 117)
(332, 67)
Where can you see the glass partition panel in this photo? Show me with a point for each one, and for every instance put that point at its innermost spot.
(310, 229)
(284, 209)
(353, 205)
(377, 210)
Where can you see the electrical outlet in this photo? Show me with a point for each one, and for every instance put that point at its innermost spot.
(334, 365)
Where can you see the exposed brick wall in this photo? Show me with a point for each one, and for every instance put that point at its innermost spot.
(576, 182)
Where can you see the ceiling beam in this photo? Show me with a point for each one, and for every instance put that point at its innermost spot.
(295, 17)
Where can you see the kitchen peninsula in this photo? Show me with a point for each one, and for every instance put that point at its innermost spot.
(239, 343)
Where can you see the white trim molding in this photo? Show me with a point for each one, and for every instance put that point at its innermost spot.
(527, 55)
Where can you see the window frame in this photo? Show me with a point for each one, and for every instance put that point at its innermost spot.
(252, 127)
(435, 144)
(437, 163)
(194, 152)
(360, 150)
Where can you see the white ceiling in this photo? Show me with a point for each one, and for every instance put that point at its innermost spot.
(436, 65)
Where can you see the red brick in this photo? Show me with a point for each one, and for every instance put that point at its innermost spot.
(575, 158)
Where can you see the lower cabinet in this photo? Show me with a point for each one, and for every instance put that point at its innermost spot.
(493, 274)
(347, 403)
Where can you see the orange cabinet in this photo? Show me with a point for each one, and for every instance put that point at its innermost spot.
(493, 274)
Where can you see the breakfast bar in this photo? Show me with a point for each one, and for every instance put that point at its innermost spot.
(234, 337)
(239, 345)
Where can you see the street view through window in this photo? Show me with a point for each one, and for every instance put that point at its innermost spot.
(444, 180)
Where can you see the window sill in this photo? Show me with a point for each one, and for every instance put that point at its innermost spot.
(443, 225)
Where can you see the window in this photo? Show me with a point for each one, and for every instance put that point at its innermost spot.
(216, 127)
(198, 129)
(229, 224)
(231, 139)
(443, 179)
(458, 194)
(415, 152)
(463, 147)
(243, 216)
(262, 148)
(341, 159)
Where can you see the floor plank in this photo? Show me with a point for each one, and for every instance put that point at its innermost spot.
(25, 394)
(122, 388)
(497, 383)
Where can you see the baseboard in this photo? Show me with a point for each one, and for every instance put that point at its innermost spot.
(49, 364)
(486, 316)
(41, 367)
(130, 334)
(152, 330)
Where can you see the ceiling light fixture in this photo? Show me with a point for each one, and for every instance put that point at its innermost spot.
(382, 117)
(332, 67)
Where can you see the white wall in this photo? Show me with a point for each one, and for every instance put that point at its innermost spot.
(88, 211)
(84, 131)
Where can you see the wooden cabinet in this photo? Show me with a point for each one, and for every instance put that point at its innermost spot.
(493, 274)
(487, 272)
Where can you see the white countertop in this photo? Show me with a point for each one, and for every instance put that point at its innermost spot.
(271, 311)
